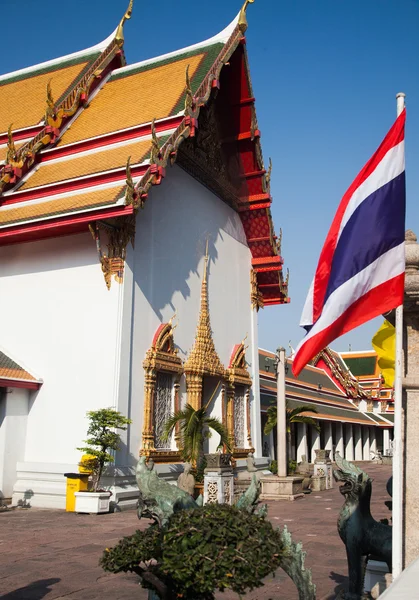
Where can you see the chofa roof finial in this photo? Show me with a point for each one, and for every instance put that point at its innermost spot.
(242, 16)
(119, 37)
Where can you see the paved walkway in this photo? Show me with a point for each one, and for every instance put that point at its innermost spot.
(54, 554)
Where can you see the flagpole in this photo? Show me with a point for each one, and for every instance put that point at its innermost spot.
(397, 497)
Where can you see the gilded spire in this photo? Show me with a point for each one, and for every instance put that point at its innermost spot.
(119, 37)
(203, 358)
(242, 16)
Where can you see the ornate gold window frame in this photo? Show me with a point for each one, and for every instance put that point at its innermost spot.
(161, 357)
(238, 374)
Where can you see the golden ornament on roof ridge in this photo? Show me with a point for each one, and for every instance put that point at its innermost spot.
(242, 16)
(119, 36)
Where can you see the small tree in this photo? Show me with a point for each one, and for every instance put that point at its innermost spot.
(195, 426)
(293, 415)
(101, 439)
(200, 551)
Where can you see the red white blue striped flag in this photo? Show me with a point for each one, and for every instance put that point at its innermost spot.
(360, 273)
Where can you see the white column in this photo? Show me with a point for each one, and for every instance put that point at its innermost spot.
(315, 443)
(328, 437)
(373, 441)
(339, 440)
(366, 443)
(349, 442)
(358, 442)
(14, 408)
(386, 441)
(255, 389)
(302, 448)
(281, 429)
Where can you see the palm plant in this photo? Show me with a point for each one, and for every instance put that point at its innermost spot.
(195, 427)
(293, 415)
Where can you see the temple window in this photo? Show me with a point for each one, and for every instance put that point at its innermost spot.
(163, 370)
(238, 402)
(163, 408)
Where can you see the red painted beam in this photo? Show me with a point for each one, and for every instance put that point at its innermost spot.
(19, 383)
(244, 102)
(253, 174)
(22, 134)
(110, 138)
(259, 239)
(77, 184)
(60, 225)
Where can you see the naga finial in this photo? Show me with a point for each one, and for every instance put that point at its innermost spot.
(155, 148)
(11, 148)
(268, 174)
(129, 181)
(242, 16)
(119, 36)
(50, 111)
(188, 92)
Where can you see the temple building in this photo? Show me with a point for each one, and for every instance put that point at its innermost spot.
(137, 247)
(354, 410)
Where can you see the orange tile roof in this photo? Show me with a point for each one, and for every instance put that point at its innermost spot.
(88, 164)
(133, 99)
(23, 101)
(68, 204)
(9, 369)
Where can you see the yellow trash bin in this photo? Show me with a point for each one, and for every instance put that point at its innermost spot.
(76, 482)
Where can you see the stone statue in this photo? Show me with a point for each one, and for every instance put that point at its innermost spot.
(358, 530)
(159, 499)
(186, 481)
(303, 468)
(250, 463)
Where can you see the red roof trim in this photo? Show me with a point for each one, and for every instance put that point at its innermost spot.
(20, 383)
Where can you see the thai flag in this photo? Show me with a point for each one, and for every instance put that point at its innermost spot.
(360, 273)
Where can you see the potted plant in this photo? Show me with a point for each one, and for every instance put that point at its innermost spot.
(101, 439)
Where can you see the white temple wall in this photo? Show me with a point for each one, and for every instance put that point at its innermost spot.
(167, 266)
(59, 320)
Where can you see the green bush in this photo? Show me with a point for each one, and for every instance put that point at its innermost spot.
(274, 467)
(216, 547)
(133, 550)
(292, 465)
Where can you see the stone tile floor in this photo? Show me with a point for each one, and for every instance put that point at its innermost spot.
(53, 554)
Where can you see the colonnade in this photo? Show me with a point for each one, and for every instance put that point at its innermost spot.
(352, 441)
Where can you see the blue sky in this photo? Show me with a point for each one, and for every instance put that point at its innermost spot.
(325, 74)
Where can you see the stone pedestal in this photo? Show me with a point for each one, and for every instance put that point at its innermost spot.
(323, 467)
(218, 488)
(281, 488)
(318, 483)
(375, 572)
(218, 479)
